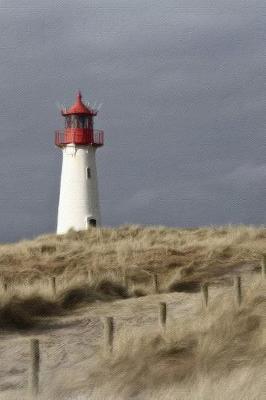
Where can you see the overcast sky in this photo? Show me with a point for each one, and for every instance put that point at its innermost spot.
(183, 90)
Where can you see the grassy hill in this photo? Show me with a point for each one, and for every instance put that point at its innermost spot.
(203, 354)
(200, 253)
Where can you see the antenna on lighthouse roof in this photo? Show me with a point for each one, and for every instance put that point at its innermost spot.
(60, 106)
(99, 106)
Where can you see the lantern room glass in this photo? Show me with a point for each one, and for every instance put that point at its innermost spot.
(78, 121)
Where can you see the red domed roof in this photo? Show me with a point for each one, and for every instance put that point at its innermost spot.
(79, 108)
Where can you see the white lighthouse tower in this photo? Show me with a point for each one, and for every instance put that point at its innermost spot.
(79, 200)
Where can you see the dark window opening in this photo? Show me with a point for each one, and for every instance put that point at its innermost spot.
(88, 171)
(82, 122)
(92, 222)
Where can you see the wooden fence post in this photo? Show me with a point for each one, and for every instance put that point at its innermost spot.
(108, 325)
(263, 267)
(162, 315)
(238, 290)
(125, 278)
(89, 276)
(155, 283)
(34, 368)
(205, 294)
(53, 283)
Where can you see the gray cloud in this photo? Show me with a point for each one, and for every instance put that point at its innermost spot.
(183, 87)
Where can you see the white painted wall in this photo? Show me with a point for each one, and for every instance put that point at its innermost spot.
(78, 200)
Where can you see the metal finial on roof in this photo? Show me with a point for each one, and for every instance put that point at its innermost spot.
(79, 107)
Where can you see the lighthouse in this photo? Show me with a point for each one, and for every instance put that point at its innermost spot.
(78, 207)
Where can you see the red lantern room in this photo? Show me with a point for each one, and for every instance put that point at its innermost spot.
(79, 126)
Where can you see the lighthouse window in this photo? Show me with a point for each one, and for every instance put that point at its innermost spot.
(68, 122)
(74, 122)
(82, 122)
(88, 171)
(78, 121)
(91, 222)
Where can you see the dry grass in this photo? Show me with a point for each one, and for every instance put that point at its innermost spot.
(202, 356)
(175, 254)
(101, 264)
(221, 354)
(27, 312)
